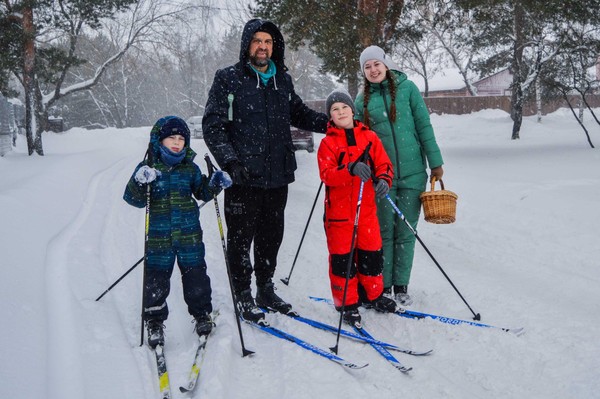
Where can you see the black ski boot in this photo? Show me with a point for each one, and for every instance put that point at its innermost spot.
(401, 295)
(382, 304)
(248, 308)
(156, 335)
(352, 318)
(204, 325)
(267, 298)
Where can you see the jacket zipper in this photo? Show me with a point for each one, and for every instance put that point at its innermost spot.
(382, 92)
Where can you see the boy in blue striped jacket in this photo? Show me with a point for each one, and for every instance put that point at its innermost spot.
(174, 231)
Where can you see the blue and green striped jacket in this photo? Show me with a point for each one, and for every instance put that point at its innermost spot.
(174, 213)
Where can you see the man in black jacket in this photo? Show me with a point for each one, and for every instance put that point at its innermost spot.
(251, 106)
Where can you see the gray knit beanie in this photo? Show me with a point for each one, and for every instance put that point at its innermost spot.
(376, 53)
(339, 96)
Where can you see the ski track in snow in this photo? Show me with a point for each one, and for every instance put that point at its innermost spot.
(73, 254)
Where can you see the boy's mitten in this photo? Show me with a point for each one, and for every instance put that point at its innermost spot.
(360, 169)
(146, 175)
(219, 180)
(381, 188)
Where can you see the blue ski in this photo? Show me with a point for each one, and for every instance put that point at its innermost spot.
(411, 314)
(358, 337)
(306, 345)
(383, 351)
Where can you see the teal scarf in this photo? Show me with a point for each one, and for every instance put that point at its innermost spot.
(268, 74)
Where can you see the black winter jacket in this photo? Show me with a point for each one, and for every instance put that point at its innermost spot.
(247, 122)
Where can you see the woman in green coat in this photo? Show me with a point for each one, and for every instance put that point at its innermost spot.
(392, 106)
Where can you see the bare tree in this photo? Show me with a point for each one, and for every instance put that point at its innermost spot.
(58, 44)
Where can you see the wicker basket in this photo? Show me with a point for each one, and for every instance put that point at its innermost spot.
(439, 206)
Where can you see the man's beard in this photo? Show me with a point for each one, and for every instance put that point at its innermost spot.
(263, 62)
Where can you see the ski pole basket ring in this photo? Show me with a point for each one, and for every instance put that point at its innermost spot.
(439, 206)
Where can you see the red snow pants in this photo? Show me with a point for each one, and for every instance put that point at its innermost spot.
(367, 261)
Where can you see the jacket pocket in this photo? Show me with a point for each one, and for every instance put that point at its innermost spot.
(255, 163)
(290, 159)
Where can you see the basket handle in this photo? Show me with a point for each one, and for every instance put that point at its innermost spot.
(433, 180)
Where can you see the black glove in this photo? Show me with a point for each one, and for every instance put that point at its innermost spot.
(381, 188)
(238, 172)
(360, 169)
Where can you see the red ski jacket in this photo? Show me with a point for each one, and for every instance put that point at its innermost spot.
(339, 148)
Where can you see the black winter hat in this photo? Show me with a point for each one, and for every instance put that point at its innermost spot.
(339, 96)
(175, 125)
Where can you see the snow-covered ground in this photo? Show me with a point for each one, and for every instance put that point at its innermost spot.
(524, 252)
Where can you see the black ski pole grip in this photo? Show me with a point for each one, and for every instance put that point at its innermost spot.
(209, 165)
(149, 156)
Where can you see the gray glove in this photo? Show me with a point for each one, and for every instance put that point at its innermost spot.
(381, 188)
(146, 175)
(360, 169)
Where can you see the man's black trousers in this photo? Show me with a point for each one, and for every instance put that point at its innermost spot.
(254, 215)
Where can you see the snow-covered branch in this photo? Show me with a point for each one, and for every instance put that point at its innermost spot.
(143, 19)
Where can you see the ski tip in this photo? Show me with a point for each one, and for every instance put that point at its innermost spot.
(516, 331)
(354, 366)
(183, 390)
(404, 369)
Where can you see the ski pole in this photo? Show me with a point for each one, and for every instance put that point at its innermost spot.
(476, 316)
(365, 155)
(286, 280)
(245, 351)
(132, 267)
(146, 230)
(120, 278)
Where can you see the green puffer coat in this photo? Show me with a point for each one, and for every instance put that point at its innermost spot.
(409, 141)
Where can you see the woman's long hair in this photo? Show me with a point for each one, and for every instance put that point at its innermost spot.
(367, 95)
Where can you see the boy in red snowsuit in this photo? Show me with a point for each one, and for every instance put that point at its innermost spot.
(343, 165)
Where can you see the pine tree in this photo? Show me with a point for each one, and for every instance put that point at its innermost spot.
(336, 30)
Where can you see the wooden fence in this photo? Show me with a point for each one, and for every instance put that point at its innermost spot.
(466, 105)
